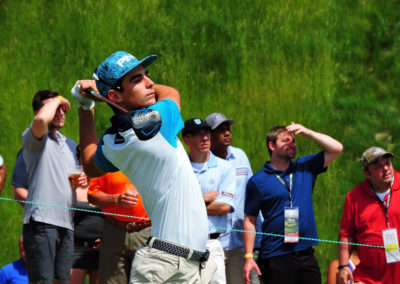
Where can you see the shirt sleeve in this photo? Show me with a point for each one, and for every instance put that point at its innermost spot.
(171, 120)
(20, 176)
(227, 187)
(30, 143)
(253, 199)
(347, 220)
(101, 161)
(96, 185)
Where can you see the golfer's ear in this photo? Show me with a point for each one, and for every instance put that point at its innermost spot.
(115, 96)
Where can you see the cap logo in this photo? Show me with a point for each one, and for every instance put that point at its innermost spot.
(219, 117)
(376, 151)
(197, 121)
(125, 58)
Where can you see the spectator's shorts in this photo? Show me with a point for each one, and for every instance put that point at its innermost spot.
(49, 252)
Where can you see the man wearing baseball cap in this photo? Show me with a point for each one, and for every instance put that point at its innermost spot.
(221, 139)
(371, 216)
(218, 185)
(143, 145)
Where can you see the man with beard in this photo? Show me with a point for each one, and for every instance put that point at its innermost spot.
(282, 190)
(49, 158)
(371, 216)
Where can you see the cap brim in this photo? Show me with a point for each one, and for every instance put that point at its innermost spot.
(230, 121)
(148, 60)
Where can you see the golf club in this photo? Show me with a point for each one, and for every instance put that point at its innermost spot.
(104, 99)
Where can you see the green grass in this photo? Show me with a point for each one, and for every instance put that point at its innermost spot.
(329, 65)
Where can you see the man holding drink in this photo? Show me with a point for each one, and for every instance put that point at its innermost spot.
(50, 158)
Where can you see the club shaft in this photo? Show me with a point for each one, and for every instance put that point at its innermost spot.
(104, 99)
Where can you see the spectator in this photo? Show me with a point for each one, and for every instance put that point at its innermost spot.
(20, 179)
(88, 224)
(221, 139)
(121, 235)
(49, 157)
(282, 190)
(144, 146)
(15, 272)
(371, 216)
(218, 185)
(3, 173)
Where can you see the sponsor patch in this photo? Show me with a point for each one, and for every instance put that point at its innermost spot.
(227, 194)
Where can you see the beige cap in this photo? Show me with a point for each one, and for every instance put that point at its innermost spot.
(373, 154)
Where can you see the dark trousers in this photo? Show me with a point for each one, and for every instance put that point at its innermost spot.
(295, 268)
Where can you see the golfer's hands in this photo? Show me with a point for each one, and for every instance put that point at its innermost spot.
(298, 129)
(249, 265)
(78, 93)
(345, 275)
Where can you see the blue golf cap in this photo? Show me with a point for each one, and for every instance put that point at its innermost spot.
(115, 67)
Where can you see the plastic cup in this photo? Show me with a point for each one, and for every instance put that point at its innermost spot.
(74, 175)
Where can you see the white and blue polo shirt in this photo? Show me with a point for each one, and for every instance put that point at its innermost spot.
(218, 175)
(161, 171)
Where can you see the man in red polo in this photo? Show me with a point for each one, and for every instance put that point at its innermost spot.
(371, 216)
(122, 235)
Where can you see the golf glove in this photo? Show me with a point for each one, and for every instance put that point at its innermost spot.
(81, 101)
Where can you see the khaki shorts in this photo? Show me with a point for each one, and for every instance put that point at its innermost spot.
(154, 266)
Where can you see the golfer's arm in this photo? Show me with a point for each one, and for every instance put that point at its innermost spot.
(88, 142)
(165, 92)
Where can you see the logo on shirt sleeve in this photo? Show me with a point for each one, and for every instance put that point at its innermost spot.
(227, 194)
(145, 122)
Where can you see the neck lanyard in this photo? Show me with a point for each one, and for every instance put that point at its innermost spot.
(289, 188)
(384, 203)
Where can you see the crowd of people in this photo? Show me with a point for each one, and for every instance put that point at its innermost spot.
(148, 212)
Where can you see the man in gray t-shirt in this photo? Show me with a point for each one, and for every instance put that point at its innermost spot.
(49, 158)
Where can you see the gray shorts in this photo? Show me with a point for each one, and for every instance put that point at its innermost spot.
(49, 252)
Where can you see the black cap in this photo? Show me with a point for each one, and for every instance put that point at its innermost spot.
(193, 126)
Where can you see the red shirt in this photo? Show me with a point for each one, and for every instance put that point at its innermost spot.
(364, 219)
(117, 182)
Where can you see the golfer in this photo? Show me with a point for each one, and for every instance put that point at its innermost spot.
(143, 144)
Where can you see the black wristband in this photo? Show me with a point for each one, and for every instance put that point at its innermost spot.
(343, 266)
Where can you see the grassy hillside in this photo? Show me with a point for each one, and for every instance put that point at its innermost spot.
(329, 65)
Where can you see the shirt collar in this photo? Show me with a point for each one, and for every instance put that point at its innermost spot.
(121, 122)
(231, 155)
(270, 170)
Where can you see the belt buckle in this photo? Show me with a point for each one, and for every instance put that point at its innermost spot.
(130, 226)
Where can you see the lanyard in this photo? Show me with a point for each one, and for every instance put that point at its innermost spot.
(289, 188)
(384, 203)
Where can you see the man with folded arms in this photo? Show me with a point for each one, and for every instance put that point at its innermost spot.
(218, 185)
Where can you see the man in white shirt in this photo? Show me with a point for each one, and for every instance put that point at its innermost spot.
(218, 185)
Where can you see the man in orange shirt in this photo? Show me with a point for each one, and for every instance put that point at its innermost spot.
(122, 235)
